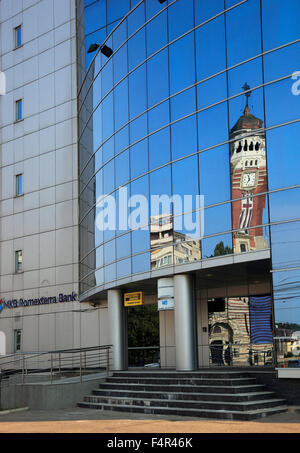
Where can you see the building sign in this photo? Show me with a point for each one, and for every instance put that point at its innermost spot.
(166, 304)
(132, 299)
(16, 303)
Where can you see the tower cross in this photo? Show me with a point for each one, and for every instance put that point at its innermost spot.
(246, 88)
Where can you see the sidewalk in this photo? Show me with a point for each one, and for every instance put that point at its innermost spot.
(78, 420)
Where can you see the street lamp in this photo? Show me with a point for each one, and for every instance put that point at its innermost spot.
(107, 51)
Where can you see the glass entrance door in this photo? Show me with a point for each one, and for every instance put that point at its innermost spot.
(143, 336)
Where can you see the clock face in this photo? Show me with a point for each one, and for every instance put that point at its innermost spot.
(248, 180)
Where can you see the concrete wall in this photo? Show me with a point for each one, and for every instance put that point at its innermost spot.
(289, 389)
(46, 396)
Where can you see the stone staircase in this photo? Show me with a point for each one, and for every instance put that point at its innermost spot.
(231, 395)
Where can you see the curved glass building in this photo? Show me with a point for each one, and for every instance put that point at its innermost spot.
(189, 176)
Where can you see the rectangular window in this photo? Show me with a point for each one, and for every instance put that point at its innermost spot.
(19, 113)
(18, 36)
(18, 261)
(19, 185)
(17, 340)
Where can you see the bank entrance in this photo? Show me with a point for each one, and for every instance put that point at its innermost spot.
(143, 336)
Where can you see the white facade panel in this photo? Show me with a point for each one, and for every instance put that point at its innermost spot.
(43, 221)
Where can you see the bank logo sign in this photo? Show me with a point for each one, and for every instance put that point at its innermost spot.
(15, 303)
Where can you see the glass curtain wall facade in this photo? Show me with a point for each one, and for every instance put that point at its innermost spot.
(100, 18)
(198, 98)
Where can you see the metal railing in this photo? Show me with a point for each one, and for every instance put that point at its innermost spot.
(211, 355)
(54, 365)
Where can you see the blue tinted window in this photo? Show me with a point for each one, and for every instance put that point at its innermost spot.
(244, 19)
(19, 109)
(182, 63)
(283, 156)
(139, 159)
(206, 10)
(159, 148)
(158, 85)
(210, 52)
(136, 49)
(95, 16)
(19, 189)
(156, 33)
(136, 19)
(137, 84)
(280, 22)
(180, 18)
(184, 137)
(152, 8)
(18, 36)
(117, 9)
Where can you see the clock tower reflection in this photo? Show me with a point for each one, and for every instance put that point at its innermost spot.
(248, 179)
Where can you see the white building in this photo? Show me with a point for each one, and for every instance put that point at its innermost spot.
(38, 179)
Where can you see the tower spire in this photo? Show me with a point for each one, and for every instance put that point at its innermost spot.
(248, 92)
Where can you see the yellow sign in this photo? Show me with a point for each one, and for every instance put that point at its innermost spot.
(132, 299)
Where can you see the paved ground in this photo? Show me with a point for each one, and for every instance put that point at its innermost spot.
(80, 420)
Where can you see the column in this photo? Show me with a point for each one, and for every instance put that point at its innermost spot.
(118, 329)
(185, 323)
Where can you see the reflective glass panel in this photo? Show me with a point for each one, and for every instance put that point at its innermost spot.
(159, 116)
(123, 244)
(110, 273)
(181, 18)
(213, 126)
(184, 137)
(282, 105)
(183, 104)
(159, 148)
(138, 128)
(136, 49)
(123, 268)
(217, 246)
(280, 22)
(285, 245)
(141, 263)
(158, 84)
(117, 9)
(283, 158)
(210, 52)
(207, 10)
(139, 158)
(284, 205)
(137, 84)
(182, 63)
(156, 33)
(246, 17)
(215, 175)
(121, 104)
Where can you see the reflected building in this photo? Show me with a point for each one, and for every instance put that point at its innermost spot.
(169, 247)
(232, 333)
(248, 179)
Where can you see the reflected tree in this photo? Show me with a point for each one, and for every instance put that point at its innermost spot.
(221, 249)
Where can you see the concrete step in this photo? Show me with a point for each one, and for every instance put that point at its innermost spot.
(182, 388)
(182, 381)
(185, 395)
(190, 412)
(182, 374)
(206, 394)
(192, 404)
